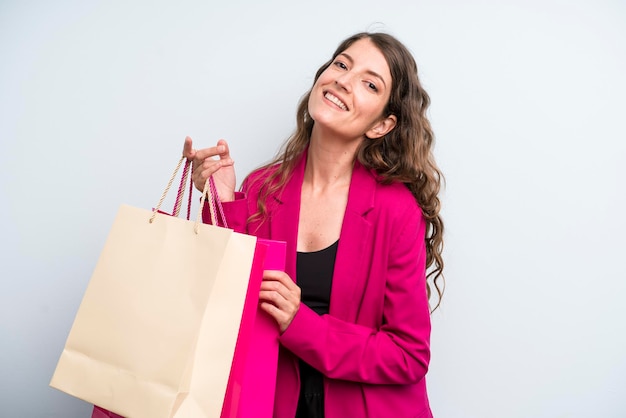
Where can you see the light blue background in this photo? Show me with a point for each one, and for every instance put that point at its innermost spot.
(96, 98)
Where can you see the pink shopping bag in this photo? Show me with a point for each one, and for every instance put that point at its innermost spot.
(103, 413)
(252, 381)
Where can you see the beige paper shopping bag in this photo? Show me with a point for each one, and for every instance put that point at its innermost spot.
(155, 333)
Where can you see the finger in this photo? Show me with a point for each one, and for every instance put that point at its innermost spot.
(277, 275)
(210, 167)
(274, 311)
(271, 309)
(287, 308)
(279, 316)
(272, 296)
(283, 319)
(188, 151)
(273, 286)
(200, 163)
(221, 150)
(226, 153)
(207, 169)
(279, 294)
(281, 277)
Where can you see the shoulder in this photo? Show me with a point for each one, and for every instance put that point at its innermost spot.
(256, 178)
(379, 199)
(396, 209)
(394, 195)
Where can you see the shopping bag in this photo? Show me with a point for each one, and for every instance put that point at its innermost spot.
(252, 380)
(99, 412)
(155, 333)
(263, 334)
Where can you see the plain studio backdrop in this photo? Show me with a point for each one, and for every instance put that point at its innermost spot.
(528, 108)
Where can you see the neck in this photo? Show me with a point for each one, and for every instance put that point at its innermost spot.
(330, 160)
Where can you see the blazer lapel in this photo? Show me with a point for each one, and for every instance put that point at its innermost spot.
(350, 275)
(285, 215)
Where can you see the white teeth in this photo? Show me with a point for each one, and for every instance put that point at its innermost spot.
(336, 101)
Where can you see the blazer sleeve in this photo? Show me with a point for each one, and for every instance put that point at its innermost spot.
(239, 210)
(397, 352)
(235, 212)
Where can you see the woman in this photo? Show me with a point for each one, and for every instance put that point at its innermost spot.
(354, 194)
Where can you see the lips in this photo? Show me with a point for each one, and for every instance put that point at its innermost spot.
(334, 99)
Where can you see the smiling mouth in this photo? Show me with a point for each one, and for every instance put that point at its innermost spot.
(335, 100)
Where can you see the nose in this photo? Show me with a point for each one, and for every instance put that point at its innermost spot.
(344, 81)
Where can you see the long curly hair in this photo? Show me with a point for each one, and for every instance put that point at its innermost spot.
(403, 155)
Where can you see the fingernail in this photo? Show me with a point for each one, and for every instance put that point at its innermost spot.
(221, 148)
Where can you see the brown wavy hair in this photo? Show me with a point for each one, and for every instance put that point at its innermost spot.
(403, 155)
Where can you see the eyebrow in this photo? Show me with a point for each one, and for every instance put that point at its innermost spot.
(370, 72)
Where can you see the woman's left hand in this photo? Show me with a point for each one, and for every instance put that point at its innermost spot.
(279, 297)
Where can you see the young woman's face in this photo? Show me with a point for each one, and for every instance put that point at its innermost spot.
(350, 95)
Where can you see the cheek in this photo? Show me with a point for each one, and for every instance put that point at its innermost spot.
(374, 108)
(325, 77)
(311, 104)
(314, 103)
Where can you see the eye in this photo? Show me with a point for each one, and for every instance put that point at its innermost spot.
(340, 65)
(371, 86)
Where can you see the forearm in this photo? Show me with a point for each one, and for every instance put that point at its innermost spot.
(342, 350)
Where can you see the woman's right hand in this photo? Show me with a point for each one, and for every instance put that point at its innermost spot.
(205, 165)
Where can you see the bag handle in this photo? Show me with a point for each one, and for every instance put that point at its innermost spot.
(167, 189)
(181, 191)
(217, 202)
(210, 192)
(211, 197)
(187, 171)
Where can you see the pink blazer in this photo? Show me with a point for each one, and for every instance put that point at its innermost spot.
(373, 346)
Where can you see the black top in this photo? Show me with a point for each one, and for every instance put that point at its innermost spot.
(314, 272)
(315, 275)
